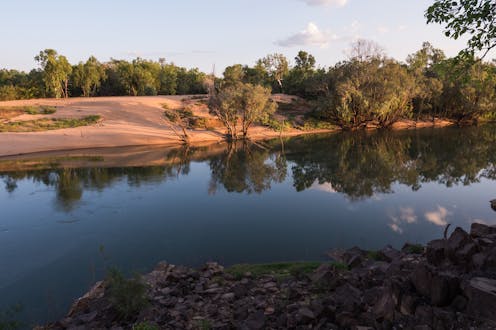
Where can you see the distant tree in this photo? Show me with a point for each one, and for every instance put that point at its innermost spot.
(224, 104)
(234, 74)
(428, 86)
(277, 67)
(469, 92)
(305, 62)
(257, 75)
(168, 79)
(299, 78)
(56, 72)
(88, 76)
(475, 18)
(365, 50)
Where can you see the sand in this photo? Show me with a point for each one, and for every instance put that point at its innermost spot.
(126, 121)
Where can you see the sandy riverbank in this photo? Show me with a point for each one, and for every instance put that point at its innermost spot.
(130, 121)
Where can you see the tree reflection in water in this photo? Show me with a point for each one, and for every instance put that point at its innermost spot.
(356, 164)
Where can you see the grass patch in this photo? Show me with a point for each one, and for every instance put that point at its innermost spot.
(46, 124)
(9, 112)
(414, 248)
(312, 123)
(277, 125)
(185, 117)
(145, 326)
(128, 296)
(282, 269)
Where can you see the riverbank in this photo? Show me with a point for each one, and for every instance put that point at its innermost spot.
(449, 284)
(139, 121)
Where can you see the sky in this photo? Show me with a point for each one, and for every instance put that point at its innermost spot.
(204, 33)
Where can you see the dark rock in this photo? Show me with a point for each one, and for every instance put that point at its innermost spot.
(255, 321)
(385, 305)
(459, 303)
(458, 239)
(421, 279)
(480, 230)
(435, 251)
(305, 315)
(408, 305)
(478, 260)
(348, 297)
(444, 287)
(389, 254)
(481, 294)
(424, 314)
(465, 254)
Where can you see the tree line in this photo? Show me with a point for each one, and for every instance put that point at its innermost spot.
(368, 88)
(56, 77)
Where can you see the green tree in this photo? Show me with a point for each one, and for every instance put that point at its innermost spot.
(88, 76)
(255, 106)
(56, 72)
(475, 18)
(277, 67)
(428, 86)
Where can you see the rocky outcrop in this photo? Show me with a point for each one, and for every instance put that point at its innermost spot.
(449, 285)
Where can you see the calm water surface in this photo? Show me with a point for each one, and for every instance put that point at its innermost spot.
(65, 218)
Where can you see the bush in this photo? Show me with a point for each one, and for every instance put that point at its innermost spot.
(128, 296)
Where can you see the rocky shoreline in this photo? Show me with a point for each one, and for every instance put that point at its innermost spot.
(449, 284)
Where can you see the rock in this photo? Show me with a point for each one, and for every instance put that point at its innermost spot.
(348, 297)
(458, 239)
(481, 294)
(255, 321)
(421, 279)
(408, 305)
(459, 303)
(481, 230)
(444, 287)
(323, 273)
(385, 306)
(412, 248)
(424, 314)
(464, 255)
(389, 254)
(435, 251)
(305, 315)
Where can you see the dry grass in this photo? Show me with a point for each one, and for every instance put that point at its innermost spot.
(10, 112)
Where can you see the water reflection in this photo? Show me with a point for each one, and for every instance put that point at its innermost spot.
(359, 165)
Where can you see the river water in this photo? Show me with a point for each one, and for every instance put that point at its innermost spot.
(66, 217)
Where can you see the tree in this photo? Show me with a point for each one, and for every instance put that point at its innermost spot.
(256, 105)
(277, 67)
(56, 71)
(475, 18)
(365, 50)
(234, 74)
(305, 62)
(88, 76)
(232, 102)
(377, 91)
(428, 86)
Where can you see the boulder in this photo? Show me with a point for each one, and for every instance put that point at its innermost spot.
(444, 287)
(481, 294)
(435, 251)
(480, 230)
(458, 239)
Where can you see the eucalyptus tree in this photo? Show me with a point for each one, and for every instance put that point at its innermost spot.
(56, 71)
(88, 76)
(277, 67)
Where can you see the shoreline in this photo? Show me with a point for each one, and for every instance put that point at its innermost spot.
(138, 121)
(450, 283)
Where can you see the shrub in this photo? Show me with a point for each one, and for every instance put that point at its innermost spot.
(128, 296)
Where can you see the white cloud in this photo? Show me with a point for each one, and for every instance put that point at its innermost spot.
(327, 187)
(337, 3)
(406, 215)
(438, 217)
(311, 36)
(402, 27)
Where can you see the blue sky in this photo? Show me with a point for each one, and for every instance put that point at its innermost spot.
(199, 33)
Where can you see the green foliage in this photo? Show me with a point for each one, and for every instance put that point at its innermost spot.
(276, 66)
(127, 296)
(360, 92)
(56, 72)
(276, 125)
(472, 18)
(276, 269)
(415, 249)
(245, 102)
(47, 124)
(145, 326)
(88, 76)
